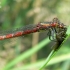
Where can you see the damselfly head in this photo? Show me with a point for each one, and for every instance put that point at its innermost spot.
(56, 21)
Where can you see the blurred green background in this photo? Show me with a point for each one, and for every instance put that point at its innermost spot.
(18, 13)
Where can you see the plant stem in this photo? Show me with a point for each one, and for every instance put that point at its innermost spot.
(47, 60)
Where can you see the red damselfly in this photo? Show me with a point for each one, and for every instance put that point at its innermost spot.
(54, 28)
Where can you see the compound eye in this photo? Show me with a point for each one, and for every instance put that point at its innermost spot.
(55, 20)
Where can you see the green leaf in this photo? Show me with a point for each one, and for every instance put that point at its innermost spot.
(39, 63)
(27, 54)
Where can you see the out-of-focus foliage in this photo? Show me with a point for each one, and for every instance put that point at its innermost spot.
(18, 13)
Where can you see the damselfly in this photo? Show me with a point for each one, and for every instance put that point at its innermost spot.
(55, 29)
